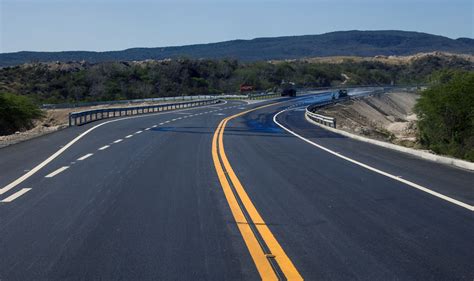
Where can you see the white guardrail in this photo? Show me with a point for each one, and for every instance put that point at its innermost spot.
(325, 120)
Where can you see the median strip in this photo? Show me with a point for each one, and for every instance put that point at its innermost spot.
(269, 257)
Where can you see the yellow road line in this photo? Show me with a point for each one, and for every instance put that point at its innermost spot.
(261, 261)
(263, 266)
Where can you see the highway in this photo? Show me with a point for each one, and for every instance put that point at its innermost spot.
(233, 191)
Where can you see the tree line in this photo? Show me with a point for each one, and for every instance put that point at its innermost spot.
(74, 82)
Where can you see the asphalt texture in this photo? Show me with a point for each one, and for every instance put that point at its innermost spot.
(150, 207)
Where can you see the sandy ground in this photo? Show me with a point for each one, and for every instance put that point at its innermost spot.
(387, 117)
(54, 120)
(394, 60)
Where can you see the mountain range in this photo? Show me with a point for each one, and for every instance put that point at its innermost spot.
(340, 43)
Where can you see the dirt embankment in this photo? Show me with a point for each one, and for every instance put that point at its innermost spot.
(387, 117)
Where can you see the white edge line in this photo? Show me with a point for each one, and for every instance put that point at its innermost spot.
(16, 195)
(418, 153)
(50, 175)
(69, 144)
(412, 184)
(85, 157)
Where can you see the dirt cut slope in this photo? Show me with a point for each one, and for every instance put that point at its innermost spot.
(387, 117)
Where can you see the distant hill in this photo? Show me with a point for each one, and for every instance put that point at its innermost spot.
(341, 43)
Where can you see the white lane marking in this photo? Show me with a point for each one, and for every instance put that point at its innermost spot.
(104, 147)
(412, 184)
(117, 141)
(162, 123)
(85, 156)
(129, 136)
(166, 122)
(69, 144)
(154, 126)
(57, 172)
(147, 129)
(174, 119)
(16, 195)
(138, 132)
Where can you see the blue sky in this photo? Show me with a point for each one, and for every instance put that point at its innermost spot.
(98, 25)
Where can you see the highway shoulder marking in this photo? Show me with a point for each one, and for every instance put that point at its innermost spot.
(57, 172)
(16, 195)
(409, 183)
(104, 147)
(85, 157)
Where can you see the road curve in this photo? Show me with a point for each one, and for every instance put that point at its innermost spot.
(224, 193)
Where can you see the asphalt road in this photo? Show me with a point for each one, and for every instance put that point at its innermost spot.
(218, 193)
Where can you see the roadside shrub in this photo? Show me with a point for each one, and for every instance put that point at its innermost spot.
(17, 113)
(446, 114)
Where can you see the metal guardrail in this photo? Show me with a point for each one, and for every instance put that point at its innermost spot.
(84, 117)
(325, 120)
(263, 95)
(148, 100)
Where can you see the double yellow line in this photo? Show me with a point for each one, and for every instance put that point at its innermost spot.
(269, 257)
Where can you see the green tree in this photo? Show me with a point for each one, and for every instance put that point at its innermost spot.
(17, 113)
(446, 114)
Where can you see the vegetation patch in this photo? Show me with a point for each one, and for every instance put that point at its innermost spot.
(446, 114)
(77, 82)
(17, 113)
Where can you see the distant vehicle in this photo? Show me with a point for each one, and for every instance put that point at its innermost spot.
(246, 88)
(342, 93)
(288, 89)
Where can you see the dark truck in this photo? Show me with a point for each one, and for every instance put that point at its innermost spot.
(288, 89)
(342, 93)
